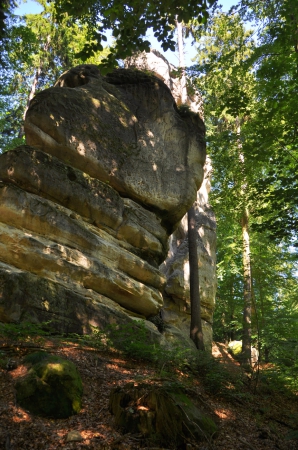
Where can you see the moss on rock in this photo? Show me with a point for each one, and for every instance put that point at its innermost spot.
(52, 388)
(235, 348)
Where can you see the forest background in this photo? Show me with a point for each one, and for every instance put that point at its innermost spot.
(245, 65)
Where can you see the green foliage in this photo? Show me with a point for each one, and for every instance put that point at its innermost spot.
(254, 81)
(274, 132)
(130, 21)
(25, 331)
(13, 143)
(280, 379)
(246, 85)
(6, 7)
(36, 357)
(217, 379)
(37, 50)
(134, 341)
(292, 435)
(185, 111)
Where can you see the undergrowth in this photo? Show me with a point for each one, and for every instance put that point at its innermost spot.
(25, 332)
(134, 341)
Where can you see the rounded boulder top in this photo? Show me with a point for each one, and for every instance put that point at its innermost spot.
(124, 129)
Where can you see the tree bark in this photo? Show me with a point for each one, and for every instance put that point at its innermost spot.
(34, 85)
(181, 62)
(247, 278)
(30, 97)
(247, 294)
(196, 332)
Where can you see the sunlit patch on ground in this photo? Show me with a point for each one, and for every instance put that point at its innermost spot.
(224, 414)
(20, 371)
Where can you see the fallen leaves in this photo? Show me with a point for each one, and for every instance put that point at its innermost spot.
(242, 427)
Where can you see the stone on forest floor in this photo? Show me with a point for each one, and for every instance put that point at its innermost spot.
(164, 413)
(51, 388)
(235, 348)
(74, 436)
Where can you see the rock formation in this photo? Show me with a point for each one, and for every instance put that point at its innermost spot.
(176, 310)
(88, 205)
(156, 63)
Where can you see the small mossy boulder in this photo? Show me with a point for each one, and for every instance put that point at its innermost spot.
(235, 348)
(162, 413)
(51, 388)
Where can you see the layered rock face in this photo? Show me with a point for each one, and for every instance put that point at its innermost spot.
(176, 310)
(87, 206)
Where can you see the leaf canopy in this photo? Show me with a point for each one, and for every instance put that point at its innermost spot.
(130, 20)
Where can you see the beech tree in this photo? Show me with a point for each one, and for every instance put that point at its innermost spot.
(274, 134)
(37, 50)
(242, 79)
(129, 22)
(228, 92)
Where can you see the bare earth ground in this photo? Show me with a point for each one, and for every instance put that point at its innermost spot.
(260, 423)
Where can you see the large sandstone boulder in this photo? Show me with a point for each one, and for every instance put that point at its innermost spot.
(156, 63)
(176, 310)
(87, 207)
(124, 130)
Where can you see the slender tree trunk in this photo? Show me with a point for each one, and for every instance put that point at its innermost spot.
(34, 85)
(30, 97)
(247, 294)
(181, 62)
(247, 279)
(196, 332)
(33, 89)
(262, 349)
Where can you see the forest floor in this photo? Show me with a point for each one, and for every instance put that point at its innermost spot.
(258, 419)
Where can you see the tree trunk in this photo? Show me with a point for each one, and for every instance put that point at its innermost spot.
(196, 332)
(247, 294)
(34, 85)
(247, 280)
(181, 62)
(30, 97)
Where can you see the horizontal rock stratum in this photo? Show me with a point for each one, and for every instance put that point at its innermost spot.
(87, 206)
